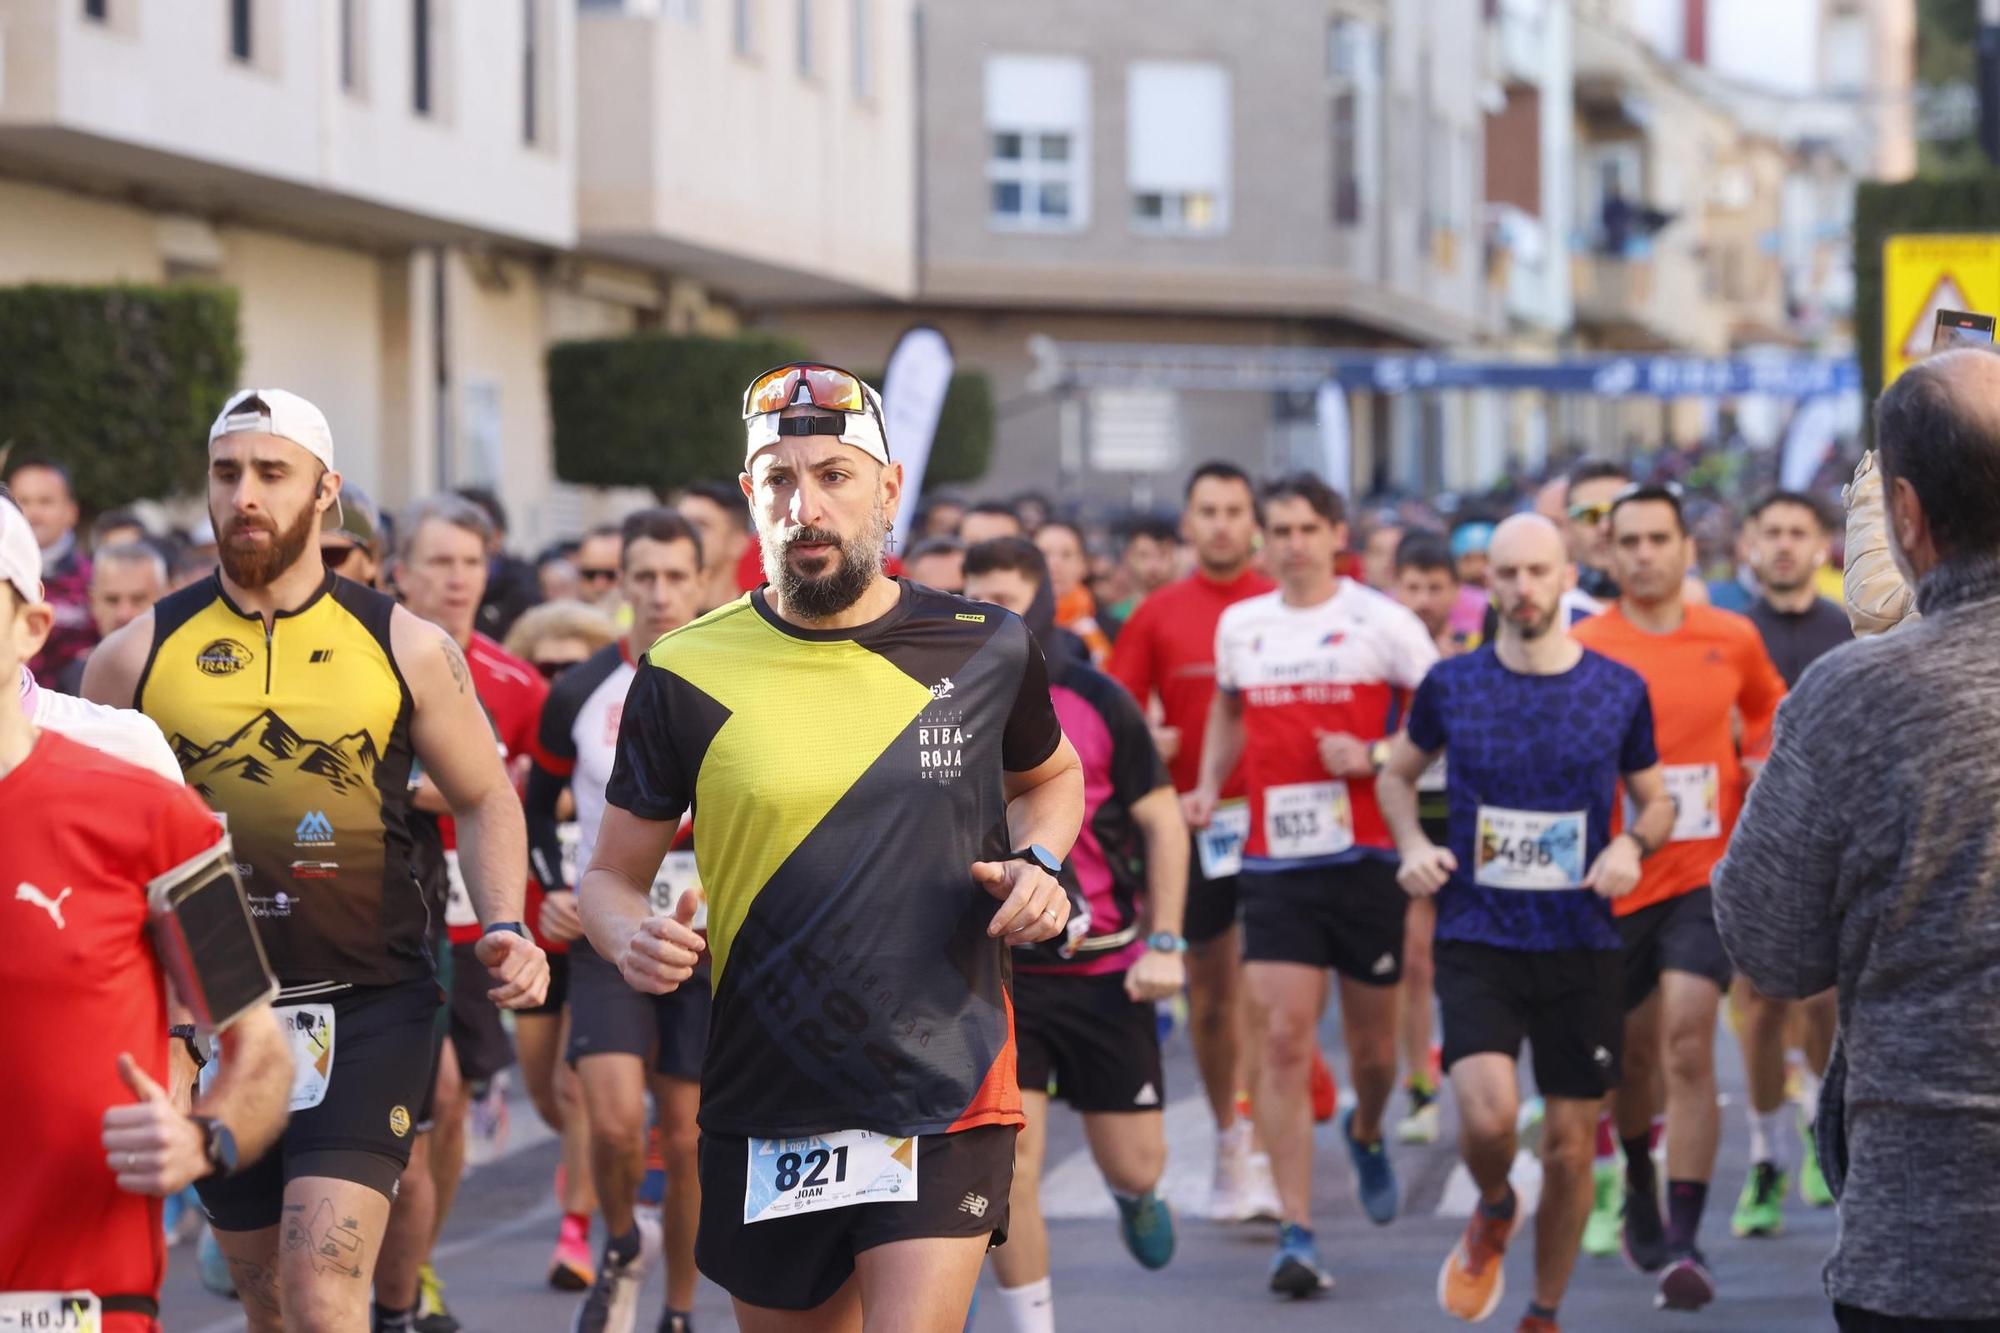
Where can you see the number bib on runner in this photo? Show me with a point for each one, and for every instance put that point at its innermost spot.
(308, 1030)
(1307, 819)
(1533, 850)
(458, 900)
(56, 1311)
(1221, 843)
(676, 875)
(818, 1172)
(1697, 793)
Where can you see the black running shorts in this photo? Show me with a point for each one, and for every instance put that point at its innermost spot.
(1348, 917)
(483, 1047)
(1099, 1048)
(1565, 1003)
(378, 1072)
(608, 1017)
(1677, 935)
(1211, 903)
(798, 1263)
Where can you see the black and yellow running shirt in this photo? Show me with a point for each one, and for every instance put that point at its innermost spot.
(300, 738)
(843, 782)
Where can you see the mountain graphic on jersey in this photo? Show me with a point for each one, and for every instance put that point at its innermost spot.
(267, 748)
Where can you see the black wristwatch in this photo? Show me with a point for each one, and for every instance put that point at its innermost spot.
(186, 1032)
(218, 1145)
(1036, 854)
(512, 927)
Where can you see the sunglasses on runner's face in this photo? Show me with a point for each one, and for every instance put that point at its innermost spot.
(1592, 514)
(597, 575)
(336, 556)
(550, 670)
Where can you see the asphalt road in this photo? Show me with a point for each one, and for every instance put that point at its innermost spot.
(496, 1248)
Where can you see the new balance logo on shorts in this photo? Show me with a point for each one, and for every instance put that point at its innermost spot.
(974, 1204)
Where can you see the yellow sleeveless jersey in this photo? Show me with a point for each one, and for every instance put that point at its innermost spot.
(300, 738)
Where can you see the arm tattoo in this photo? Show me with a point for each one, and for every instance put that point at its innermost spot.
(460, 672)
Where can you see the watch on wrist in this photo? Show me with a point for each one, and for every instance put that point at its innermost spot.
(218, 1145)
(1378, 754)
(1639, 842)
(186, 1033)
(511, 927)
(1165, 941)
(1037, 855)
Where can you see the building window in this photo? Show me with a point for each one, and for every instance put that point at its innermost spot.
(746, 28)
(1353, 73)
(239, 29)
(805, 33)
(1037, 136)
(420, 57)
(1177, 151)
(864, 36)
(531, 28)
(97, 10)
(351, 24)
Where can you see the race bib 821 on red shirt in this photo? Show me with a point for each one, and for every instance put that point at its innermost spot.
(1346, 665)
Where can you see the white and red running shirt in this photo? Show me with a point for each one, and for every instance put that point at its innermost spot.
(1346, 665)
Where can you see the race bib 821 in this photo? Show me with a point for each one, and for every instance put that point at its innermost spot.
(817, 1172)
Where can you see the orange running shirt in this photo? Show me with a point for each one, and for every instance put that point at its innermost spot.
(1698, 677)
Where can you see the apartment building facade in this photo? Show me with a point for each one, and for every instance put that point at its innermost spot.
(414, 198)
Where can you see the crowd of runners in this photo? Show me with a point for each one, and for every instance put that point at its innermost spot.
(795, 880)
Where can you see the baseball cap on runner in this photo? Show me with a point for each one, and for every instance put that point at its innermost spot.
(282, 413)
(20, 553)
(809, 384)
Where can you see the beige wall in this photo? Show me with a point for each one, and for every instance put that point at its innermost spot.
(740, 167)
(49, 235)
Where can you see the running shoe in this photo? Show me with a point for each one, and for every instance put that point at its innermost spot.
(569, 1266)
(1607, 1212)
(487, 1122)
(214, 1267)
(1226, 1198)
(1812, 1183)
(1686, 1284)
(1146, 1225)
(1260, 1190)
(612, 1305)
(1474, 1276)
(1425, 1122)
(1374, 1176)
(1534, 1323)
(182, 1217)
(1644, 1235)
(1325, 1092)
(432, 1316)
(1295, 1270)
(1760, 1208)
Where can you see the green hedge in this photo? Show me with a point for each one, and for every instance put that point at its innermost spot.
(661, 412)
(118, 383)
(964, 446)
(1963, 203)
(652, 409)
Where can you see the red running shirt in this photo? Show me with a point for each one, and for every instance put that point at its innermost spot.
(1168, 648)
(512, 693)
(1346, 665)
(81, 834)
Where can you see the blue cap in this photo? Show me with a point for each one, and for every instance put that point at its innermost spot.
(1470, 537)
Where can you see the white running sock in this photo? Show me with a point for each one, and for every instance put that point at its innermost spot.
(1030, 1308)
(1771, 1137)
(1809, 1095)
